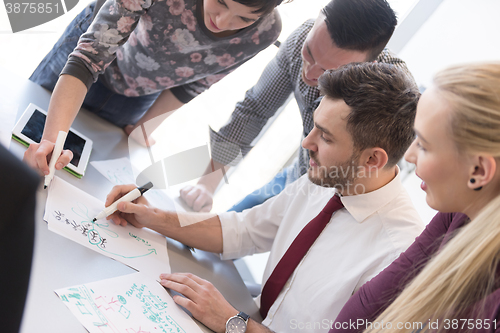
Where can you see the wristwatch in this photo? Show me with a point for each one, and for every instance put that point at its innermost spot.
(238, 323)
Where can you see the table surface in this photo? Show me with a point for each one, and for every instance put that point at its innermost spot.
(59, 262)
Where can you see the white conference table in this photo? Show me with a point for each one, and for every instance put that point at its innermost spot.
(59, 262)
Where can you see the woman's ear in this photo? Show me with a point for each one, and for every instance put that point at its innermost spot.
(482, 171)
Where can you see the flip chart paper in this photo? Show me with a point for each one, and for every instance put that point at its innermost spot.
(69, 212)
(130, 304)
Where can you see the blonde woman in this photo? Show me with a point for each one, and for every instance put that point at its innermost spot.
(449, 279)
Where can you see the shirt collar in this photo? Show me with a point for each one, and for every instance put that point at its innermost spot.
(362, 206)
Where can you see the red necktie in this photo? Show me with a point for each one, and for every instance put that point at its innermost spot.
(295, 253)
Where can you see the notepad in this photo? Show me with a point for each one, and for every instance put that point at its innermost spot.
(70, 211)
(130, 303)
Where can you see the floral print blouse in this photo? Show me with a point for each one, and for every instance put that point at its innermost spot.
(145, 46)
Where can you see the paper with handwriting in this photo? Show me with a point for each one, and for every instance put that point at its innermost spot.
(70, 211)
(130, 304)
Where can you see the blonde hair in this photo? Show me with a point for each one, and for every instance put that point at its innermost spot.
(473, 93)
(455, 283)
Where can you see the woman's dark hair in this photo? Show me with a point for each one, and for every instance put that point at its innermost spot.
(262, 6)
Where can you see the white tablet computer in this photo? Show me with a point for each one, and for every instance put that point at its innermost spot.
(29, 130)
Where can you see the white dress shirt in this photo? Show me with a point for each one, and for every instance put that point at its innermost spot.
(360, 240)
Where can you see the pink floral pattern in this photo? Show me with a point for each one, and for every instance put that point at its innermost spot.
(165, 81)
(255, 38)
(131, 93)
(125, 23)
(176, 6)
(95, 66)
(189, 20)
(112, 10)
(132, 5)
(184, 71)
(144, 82)
(130, 82)
(226, 60)
(88, 47)
(196, 57)
(169, 46)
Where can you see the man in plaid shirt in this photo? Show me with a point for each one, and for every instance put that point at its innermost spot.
(345, 31)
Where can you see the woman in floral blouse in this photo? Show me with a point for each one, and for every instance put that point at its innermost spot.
(137, 59)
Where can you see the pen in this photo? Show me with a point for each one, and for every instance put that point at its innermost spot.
(58, 147)
(130, 196)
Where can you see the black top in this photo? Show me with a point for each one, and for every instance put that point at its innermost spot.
(17, 199)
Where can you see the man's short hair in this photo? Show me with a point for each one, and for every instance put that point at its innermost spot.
(383, 102)
(360, 25)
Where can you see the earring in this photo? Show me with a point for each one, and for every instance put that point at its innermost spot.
(472, 181)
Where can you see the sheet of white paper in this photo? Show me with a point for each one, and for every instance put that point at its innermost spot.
(69, 212)
(120, 171)
(129, 304)
(8, 113)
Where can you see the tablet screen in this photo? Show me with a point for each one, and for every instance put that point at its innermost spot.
(34, 130)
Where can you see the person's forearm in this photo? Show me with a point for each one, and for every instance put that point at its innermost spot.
(65, 103)
(161, 109)
(198, 230)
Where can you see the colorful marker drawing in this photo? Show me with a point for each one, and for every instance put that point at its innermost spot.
(130, 304)
(92, 230)
(70, 213)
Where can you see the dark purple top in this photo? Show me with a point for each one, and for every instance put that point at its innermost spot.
(377, 294)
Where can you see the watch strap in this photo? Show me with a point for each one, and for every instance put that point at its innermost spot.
(243, 315)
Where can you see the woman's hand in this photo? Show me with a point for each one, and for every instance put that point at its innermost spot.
(38, 156)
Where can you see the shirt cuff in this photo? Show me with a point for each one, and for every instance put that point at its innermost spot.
(231, 235)
(181, 94)
(77, 69)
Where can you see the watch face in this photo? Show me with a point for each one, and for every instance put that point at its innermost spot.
(236, 325)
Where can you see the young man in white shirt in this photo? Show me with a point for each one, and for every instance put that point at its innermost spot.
(362, 127)
(345, 31)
